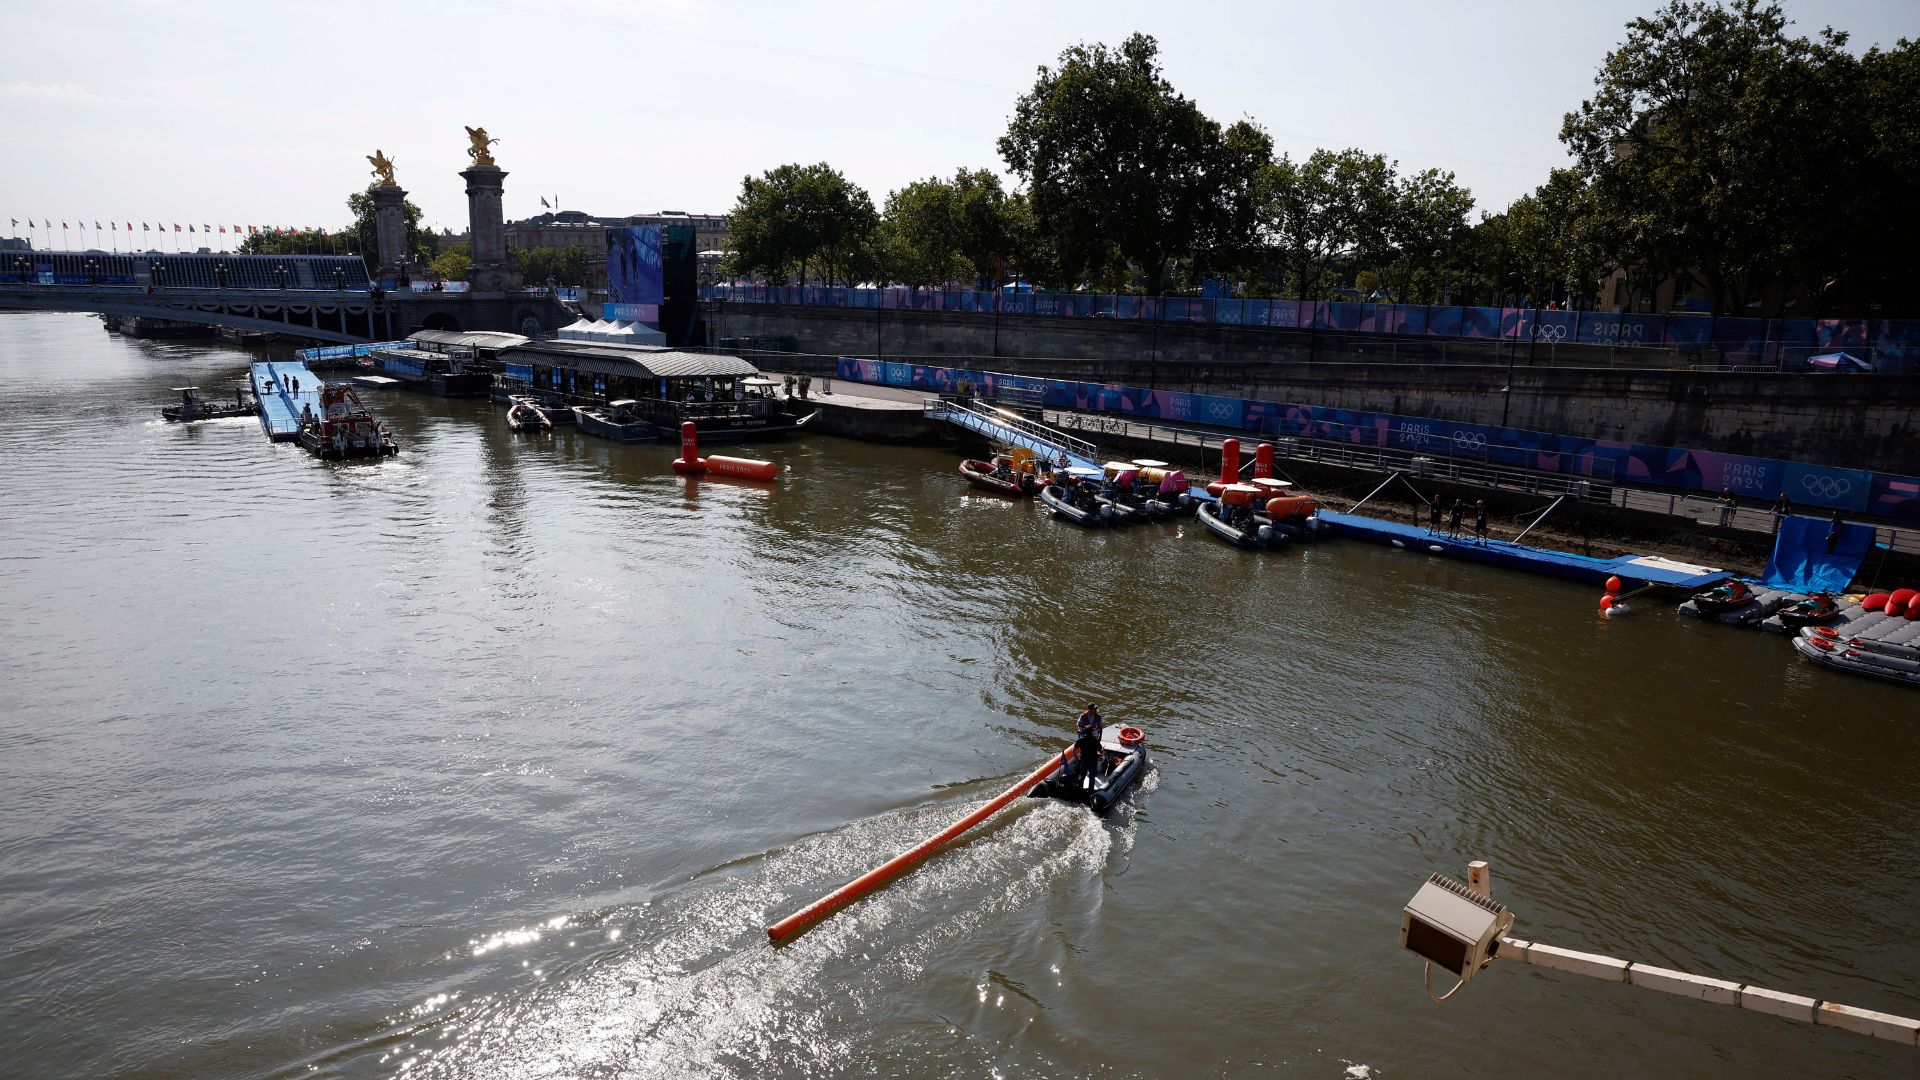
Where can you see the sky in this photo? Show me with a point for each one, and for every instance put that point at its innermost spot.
(210, 111)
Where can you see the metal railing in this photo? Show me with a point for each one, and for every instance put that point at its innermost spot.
(1009, 427)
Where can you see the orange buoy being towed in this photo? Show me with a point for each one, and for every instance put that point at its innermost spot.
(793, 925)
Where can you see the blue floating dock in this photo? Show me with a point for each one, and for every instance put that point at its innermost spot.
(1634, 570)
(279, 406)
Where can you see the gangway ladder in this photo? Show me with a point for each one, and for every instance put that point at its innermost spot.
(1014, 430)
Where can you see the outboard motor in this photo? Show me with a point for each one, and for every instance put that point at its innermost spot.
(1265, 533)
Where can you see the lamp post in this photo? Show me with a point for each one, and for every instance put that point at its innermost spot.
(93, 272)
(220, 269)
(282, 272)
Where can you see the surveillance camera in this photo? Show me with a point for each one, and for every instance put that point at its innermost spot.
(1453, 926)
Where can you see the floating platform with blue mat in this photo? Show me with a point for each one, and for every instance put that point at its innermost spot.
(1636, 571)
(280, 406)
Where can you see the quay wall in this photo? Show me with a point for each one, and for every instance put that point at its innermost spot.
(1626, 395)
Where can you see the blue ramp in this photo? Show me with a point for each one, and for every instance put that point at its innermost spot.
(1801, 562)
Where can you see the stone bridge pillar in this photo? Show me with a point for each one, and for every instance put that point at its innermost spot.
(492, 270)
(390, 229)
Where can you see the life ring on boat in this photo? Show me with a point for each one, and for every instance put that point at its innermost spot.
(1826, 631)
(1822, 643)
(1131, 736)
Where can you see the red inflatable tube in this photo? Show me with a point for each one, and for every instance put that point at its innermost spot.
(745, 468)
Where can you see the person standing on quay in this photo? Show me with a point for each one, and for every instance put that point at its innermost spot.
(1726, 507)
(1433, 515)
(1480, 518)
(1834, 530)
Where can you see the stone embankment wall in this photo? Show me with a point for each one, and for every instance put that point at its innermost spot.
(1630, 395)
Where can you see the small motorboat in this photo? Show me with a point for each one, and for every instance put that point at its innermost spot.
(621, 421)
(1232, 519)
(1816, 610)
(1168, 487)
(1078, 503)
(1123, 760)
(195, 407)
(525, 416)
(999, 475)
(1722, 599)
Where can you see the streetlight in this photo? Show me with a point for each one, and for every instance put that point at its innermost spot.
(93, 272)
(282, 272)
(221, 270)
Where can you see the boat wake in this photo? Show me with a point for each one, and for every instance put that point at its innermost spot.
(686, 983)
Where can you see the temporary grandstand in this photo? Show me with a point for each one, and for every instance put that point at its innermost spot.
(332, 273)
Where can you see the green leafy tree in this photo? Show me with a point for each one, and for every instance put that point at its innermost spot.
(1326, 213)
(1125, 175)
(802, 219)
(1709, 138)
(935, 231)
(358, 237)
(453, 264)
(1426, 230)
(565, 266)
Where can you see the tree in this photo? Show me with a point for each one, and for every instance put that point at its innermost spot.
(934, 231)
(1426, 228)
(796, 216)
(566, 266)
(1125, 174)
(1328, 210)
(358, 237)
(1711, 140)
(453, 264)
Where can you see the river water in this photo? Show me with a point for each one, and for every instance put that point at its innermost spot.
(495, 759)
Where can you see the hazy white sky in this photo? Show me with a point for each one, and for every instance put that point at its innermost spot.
(263, 112)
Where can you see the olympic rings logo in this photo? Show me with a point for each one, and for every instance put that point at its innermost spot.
(1550, 332)
(1826, 487)
(1220, 410)
(1469, 440)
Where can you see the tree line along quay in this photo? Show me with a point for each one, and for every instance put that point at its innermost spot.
(1724, 163)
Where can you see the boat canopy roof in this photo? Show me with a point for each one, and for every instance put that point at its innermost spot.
(622, 403)
(1241, 487)
(1149, 463)
(1121, 466)
(1272, 482)
(642, 361)
(1083, 470)
(478, 339)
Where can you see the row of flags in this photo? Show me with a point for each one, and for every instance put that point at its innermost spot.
(238, 230)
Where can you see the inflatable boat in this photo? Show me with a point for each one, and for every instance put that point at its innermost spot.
(1077, 505)
(1816, 610)
(1123, 760)
(1232, 519)
(524, 416)
(1286, 510)
(1722, 599)
(1859, 656)
(999, 476)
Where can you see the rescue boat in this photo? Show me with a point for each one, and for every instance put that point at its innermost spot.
(1123, 760)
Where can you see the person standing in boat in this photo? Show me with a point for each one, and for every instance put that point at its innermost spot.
(1086, 748)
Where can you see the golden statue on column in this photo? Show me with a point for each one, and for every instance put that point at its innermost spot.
(383, 169)
(478, 151)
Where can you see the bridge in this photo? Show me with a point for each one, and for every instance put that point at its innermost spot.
(320, 297)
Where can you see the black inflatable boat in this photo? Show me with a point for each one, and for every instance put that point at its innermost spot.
(1123, 760)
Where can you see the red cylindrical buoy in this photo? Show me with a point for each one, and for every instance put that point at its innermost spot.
(1263, 459)
(689, 463)
(1230, 461)
(745, 468)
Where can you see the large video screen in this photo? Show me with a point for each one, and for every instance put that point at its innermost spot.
(633, 265)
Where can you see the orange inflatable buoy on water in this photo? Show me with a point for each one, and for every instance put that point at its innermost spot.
(745, 468)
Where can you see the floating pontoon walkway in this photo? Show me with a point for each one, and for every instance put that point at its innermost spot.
(1013, 429)
(279, 405)
(1633, 570)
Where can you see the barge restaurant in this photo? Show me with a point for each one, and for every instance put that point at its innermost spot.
(446, 362)
(725, 396)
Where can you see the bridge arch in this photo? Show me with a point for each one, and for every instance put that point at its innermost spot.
(440, 320)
